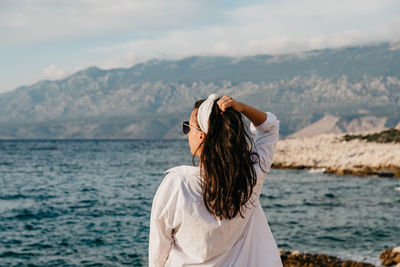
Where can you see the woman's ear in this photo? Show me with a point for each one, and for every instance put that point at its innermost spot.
(202, 135)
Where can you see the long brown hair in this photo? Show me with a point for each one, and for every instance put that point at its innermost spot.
(228, 174)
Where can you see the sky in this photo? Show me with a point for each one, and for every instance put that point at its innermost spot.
(51, 39)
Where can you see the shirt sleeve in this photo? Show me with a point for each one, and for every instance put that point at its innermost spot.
(266, 135)
(162, 222)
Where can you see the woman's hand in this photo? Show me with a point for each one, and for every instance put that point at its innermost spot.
(227, 102)
(256, 116)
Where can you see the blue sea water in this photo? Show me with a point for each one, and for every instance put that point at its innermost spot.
(88, 202)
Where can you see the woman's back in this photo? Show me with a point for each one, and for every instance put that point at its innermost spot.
(184, 233)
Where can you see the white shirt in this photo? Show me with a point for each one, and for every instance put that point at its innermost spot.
(184, 233)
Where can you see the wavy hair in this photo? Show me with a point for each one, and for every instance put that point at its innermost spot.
(227, 163)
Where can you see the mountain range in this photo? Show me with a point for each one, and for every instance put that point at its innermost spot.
(149, 100)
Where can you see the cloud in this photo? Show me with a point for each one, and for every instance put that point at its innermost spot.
(109, 34)
(280, 27)
(52, 73)
(124, 60)
(29, 22)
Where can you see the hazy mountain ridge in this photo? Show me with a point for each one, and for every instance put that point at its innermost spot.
(334, 125)
(149, 99)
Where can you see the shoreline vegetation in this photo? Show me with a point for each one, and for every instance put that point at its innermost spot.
(387, 136)
(363, 155)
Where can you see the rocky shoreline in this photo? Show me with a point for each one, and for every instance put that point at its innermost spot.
(295, 258)
(390, 257)
(331, 153)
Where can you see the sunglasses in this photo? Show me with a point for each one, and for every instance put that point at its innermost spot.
(186, 127)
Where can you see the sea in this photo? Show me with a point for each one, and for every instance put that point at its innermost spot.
(88, 203)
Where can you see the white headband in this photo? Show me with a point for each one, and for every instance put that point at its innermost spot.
(204, 111)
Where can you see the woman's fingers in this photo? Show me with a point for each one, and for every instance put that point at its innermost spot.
(225, 102)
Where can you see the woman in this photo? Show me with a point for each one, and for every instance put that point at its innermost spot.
(211, 215)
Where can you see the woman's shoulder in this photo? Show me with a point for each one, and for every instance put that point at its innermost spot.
(184, 180)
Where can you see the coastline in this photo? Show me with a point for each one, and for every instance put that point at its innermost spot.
(328, 153)
(359, 171)
(295, 258)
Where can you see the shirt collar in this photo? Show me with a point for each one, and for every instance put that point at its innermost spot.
(185, 169)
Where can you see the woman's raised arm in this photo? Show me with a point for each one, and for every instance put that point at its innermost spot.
(256, 116)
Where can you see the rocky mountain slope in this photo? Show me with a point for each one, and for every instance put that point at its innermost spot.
(330, 124)
(150, 99)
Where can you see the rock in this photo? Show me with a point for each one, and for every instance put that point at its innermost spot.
(296, 258)
(397, 126)
(295, 253)
(390, 257)
(331, 154)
